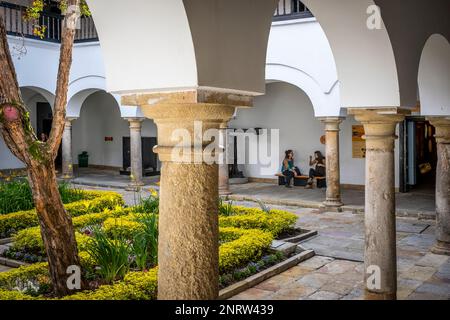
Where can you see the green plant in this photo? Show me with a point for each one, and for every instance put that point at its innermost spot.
(146, 241)
(148, 204)
(265, 208)
(15, 196)
(226, 208)
(140, 251)
(70, 193)
(111, 255)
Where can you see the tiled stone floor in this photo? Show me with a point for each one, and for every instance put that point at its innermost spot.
(107, 178)
(4, 268)
(413, 203)
(336, 272)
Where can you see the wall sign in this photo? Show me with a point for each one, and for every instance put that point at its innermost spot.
(109, 139)
(358, 142)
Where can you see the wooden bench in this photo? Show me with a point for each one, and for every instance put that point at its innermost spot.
(302, 181)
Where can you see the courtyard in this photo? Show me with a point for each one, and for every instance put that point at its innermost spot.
(224, 150)
(336, 271)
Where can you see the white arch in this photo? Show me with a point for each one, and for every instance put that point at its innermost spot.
(364, 58)
(324, 103)
(434, 77)
(180, 49)
(81, 88)
(50, 97)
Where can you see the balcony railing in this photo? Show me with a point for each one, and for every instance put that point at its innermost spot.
(16, 25)
(291, 9)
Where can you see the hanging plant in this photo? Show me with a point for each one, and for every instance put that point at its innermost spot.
(34, 11)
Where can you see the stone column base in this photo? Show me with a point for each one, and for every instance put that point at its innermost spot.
(134, 187)
(224, 192)
(333, 203)
(379, 296)
(441, 248)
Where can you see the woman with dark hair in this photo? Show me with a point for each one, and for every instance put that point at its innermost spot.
(288, 169)
(319, 167)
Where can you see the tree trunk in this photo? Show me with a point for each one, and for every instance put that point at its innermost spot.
(56, 226)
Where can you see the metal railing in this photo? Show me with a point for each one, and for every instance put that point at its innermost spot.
(16, 25)
(291, 9)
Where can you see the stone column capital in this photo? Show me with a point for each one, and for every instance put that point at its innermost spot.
(135, 123)
(379, 125)
(332, 123)
(69, 120)
(135, 119)
(189, 121)
(379, 115)
(194, 96)
(442, 125)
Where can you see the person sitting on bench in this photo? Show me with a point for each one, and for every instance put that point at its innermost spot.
(319, 170)
(288, 169)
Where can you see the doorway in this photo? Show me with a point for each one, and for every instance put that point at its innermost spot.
(149, 158)
(418, 155)
(44, 120)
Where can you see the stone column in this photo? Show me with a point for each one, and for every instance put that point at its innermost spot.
(188, 252)
(224, 186)
(442, 126)
(332, 161)
(135, 153)
(380, 230)
(67, 161)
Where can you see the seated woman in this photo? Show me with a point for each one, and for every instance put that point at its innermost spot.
(288, 169)
(319, 167)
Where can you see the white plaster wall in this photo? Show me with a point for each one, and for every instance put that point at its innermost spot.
(353, 170)
(364, 57)
(7, 159)
(434, 77)
(302, 45)
(307, 63)
(288, 109)
(169, 55)
(100, 118)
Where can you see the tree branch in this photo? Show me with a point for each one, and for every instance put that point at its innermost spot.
(14, 134)
(65, 62)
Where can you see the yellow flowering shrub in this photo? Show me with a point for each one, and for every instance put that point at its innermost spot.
(122, 227)
(275, 222)
(95, 201)
(6, 295)
(8, 280)
(244, 237)
(30, 239)
(250, 245)
(135, 286)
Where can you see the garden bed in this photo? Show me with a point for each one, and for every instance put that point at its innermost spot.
(91, 202)
(118, 251)
(297, 235)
